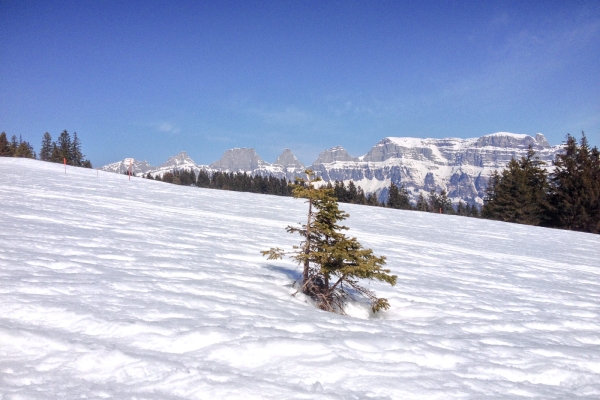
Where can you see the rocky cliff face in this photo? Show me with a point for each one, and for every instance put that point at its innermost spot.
(239, 160)
(334, 154)
(462, 167)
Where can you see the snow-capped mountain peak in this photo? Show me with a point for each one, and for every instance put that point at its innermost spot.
(181, 160)
(137, 167)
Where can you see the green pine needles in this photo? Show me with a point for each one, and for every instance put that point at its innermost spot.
(333, 263)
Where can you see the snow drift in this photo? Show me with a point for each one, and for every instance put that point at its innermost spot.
(138, 289)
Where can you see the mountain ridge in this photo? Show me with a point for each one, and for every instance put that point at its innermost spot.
(461, 167)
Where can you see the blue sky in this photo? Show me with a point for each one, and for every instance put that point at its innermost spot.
(148, 79)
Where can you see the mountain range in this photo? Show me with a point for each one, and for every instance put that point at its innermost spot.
(461, 167)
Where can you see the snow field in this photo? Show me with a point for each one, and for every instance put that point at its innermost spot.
(138, 289)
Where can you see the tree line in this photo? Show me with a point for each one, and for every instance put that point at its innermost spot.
(398, 197)
(238, 181)
(65, 148)
(568, 198)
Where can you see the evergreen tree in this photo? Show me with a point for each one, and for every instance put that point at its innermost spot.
(461, 209)
(333, 263)
(536, 180)
(519, 193)
(46, 149)
(203, 179)
(24, 150)
(398, 198)
(421, 203)
(14, 144)
(445, 203)
(433, 202)
(507, 195)
(5, 148)
(339, 190)
(360, 196)
(372, 200)
(75, 152)
(168, 177)
(56, 154)
(393, 196)
(65, 147)
(352, 196)
(574, 196)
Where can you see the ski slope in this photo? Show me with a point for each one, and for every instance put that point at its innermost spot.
(111, 288)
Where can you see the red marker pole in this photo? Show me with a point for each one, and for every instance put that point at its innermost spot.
(65, 161)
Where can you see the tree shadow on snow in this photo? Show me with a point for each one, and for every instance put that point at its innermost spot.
(293, 274)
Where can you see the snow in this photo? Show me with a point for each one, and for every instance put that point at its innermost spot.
(139, 289)
(509, 134)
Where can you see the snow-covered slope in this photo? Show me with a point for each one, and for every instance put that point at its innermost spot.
(111, 288)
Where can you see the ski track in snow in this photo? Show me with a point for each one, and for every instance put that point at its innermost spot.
(138, 289)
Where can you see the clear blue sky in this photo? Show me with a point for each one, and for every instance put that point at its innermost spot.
(148, 79)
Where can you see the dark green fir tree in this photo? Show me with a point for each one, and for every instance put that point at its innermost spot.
(46, 149)
(333, 263)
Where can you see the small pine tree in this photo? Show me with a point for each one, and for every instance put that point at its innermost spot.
(333, 263)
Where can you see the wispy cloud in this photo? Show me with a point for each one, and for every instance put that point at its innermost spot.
(168, 128)
(287, 116)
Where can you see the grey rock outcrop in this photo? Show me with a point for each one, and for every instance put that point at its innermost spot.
(334, 154)
(287, 159)
(239, 160)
